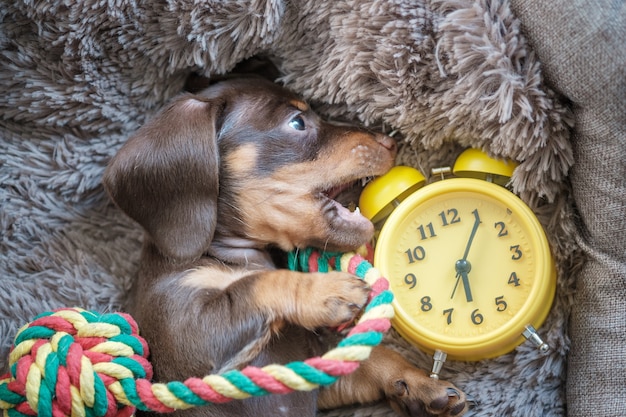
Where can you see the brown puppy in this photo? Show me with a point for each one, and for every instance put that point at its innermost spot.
(216, 180)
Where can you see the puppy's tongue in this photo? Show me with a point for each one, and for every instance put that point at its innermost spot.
(348, 218)
(354, 218)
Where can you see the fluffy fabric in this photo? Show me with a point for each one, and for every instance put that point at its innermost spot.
(78, 77)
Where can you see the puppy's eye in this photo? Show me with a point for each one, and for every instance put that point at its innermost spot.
(297, 123)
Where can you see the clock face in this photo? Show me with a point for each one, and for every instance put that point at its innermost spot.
(469, 267)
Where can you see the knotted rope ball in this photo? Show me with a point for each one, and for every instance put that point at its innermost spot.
(72, 362)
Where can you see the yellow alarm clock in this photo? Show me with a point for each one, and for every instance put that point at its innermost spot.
(467, 260)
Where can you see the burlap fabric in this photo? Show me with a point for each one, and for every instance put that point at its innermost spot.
(582, 45)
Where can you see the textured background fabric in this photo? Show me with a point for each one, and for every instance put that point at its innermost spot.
(582, 47)
(78, 80)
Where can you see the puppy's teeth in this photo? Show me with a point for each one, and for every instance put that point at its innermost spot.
(357, 210)
(366, 180)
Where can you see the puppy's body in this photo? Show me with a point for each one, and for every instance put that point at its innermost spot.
(217, 180)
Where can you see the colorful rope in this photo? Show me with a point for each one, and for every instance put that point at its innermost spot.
(78, 363)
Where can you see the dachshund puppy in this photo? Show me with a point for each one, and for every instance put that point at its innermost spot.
(219, 178)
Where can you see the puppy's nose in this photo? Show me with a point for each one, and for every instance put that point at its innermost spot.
(387, 142)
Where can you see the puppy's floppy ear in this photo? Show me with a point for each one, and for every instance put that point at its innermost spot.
(166, 176)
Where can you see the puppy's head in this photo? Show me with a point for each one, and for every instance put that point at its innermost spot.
(243, 165)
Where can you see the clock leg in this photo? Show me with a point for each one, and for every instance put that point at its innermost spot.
(439, 358)
(531, 334)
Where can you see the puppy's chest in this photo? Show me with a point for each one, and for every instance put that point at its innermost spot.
(212, 277)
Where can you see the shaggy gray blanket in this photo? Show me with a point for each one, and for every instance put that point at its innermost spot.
(78, 77)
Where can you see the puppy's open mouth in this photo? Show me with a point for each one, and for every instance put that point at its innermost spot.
(339, 204)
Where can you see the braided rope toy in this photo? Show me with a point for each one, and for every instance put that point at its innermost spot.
(73, 362)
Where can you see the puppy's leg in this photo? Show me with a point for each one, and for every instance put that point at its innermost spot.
(310, 300)
(220, 319)
(386, 375)
(243, 317)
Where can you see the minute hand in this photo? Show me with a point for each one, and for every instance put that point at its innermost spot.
(471, 238)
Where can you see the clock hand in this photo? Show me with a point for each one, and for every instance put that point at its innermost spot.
(472, 234)
(458, 278)
(462, 266)
(466, 286)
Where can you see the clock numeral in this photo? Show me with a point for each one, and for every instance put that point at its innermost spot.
(426, 232)
(426, 304)
(501, 229)
(417, 254)
(513, 279)
(517, 252)
(449, 217)
(476, 216)
(410, 280)
(501, 305)
(477, 318)
(448, 313)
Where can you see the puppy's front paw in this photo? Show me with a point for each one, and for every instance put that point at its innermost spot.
(330, 299)
(415, 394)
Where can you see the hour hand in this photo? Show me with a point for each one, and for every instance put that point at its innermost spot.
(466, 286)
(462, 268)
